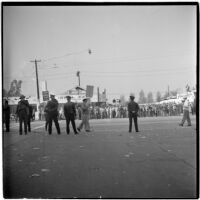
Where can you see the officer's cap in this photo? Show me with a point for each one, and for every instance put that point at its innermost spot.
(132, 97)
(22, 97)
(85, 99)
(52, 95)
(68, 97)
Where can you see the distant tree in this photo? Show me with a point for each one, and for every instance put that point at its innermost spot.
(142, 98)
(173, 92)
(15, 88)
(158, 96)
(150, 97)
(165, 95)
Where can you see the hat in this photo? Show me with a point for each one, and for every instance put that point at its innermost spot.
(132, 97)
(52, 95)
(22, 97)
(84, 99)
(68, 97)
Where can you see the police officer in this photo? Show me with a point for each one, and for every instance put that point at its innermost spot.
(70, 115)
(6, 115)
(23, 112)
(133, 109)
(186, 114)
(85, 116)
(30, 116)
(52, 110)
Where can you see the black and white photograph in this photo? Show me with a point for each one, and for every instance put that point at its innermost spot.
(99, 100)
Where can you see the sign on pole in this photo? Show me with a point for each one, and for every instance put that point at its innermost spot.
(89, 91)
(45, 95)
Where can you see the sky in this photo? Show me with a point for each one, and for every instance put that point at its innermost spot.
(134, 48)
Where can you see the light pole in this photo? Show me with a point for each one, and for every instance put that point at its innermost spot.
(78, 72)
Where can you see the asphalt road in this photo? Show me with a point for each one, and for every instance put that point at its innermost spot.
(109, 162)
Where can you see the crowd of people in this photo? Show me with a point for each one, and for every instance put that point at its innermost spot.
(145, 110)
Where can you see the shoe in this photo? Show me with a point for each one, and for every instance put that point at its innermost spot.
(20, 133)
(137, 131)
(25, 133)
(76, 133)
(79, 129)
(180, 124)
(189, 124)
(88, 130)
(129, 131)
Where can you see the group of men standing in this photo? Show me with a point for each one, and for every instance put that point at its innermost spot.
(24, 112)
(51, 111)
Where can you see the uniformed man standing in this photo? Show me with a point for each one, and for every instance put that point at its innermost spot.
(6, 115)
(23, 112)
(85, 116)
(52, 110)
(70, 114)
(133, 109)
(186, 114)
(30, 116)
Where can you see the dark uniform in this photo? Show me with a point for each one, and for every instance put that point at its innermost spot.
(30, 116)
(23, 112)
(133, 109)
(70, 115)
(52, 112)
(6, 115)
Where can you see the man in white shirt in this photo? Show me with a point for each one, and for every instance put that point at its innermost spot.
(186, 114)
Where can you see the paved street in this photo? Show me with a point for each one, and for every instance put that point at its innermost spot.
(109, 162)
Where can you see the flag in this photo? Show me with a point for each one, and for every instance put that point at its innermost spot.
(78, 73)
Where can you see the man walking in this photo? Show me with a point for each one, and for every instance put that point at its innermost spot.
(52, 110)
(70, 114)
(133, 109)
(85, 116)
(23, 112)
(186, 114)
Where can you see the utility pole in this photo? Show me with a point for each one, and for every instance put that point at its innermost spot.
(98, 94)
(37, 82)
(168, 90)
(78, 75)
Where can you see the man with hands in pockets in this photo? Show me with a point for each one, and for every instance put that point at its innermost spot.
(133, 109)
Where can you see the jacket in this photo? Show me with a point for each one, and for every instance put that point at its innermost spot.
(69, 109)
(133, 107)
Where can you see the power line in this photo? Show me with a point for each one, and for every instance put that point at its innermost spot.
(68, 54)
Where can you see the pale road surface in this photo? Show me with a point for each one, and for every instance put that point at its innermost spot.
(109, 162)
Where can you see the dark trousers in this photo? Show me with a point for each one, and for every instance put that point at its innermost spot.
(29, 123)
(23, 118)
(70, 118)
(7, 123)
(132, 117)
(55, 119)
